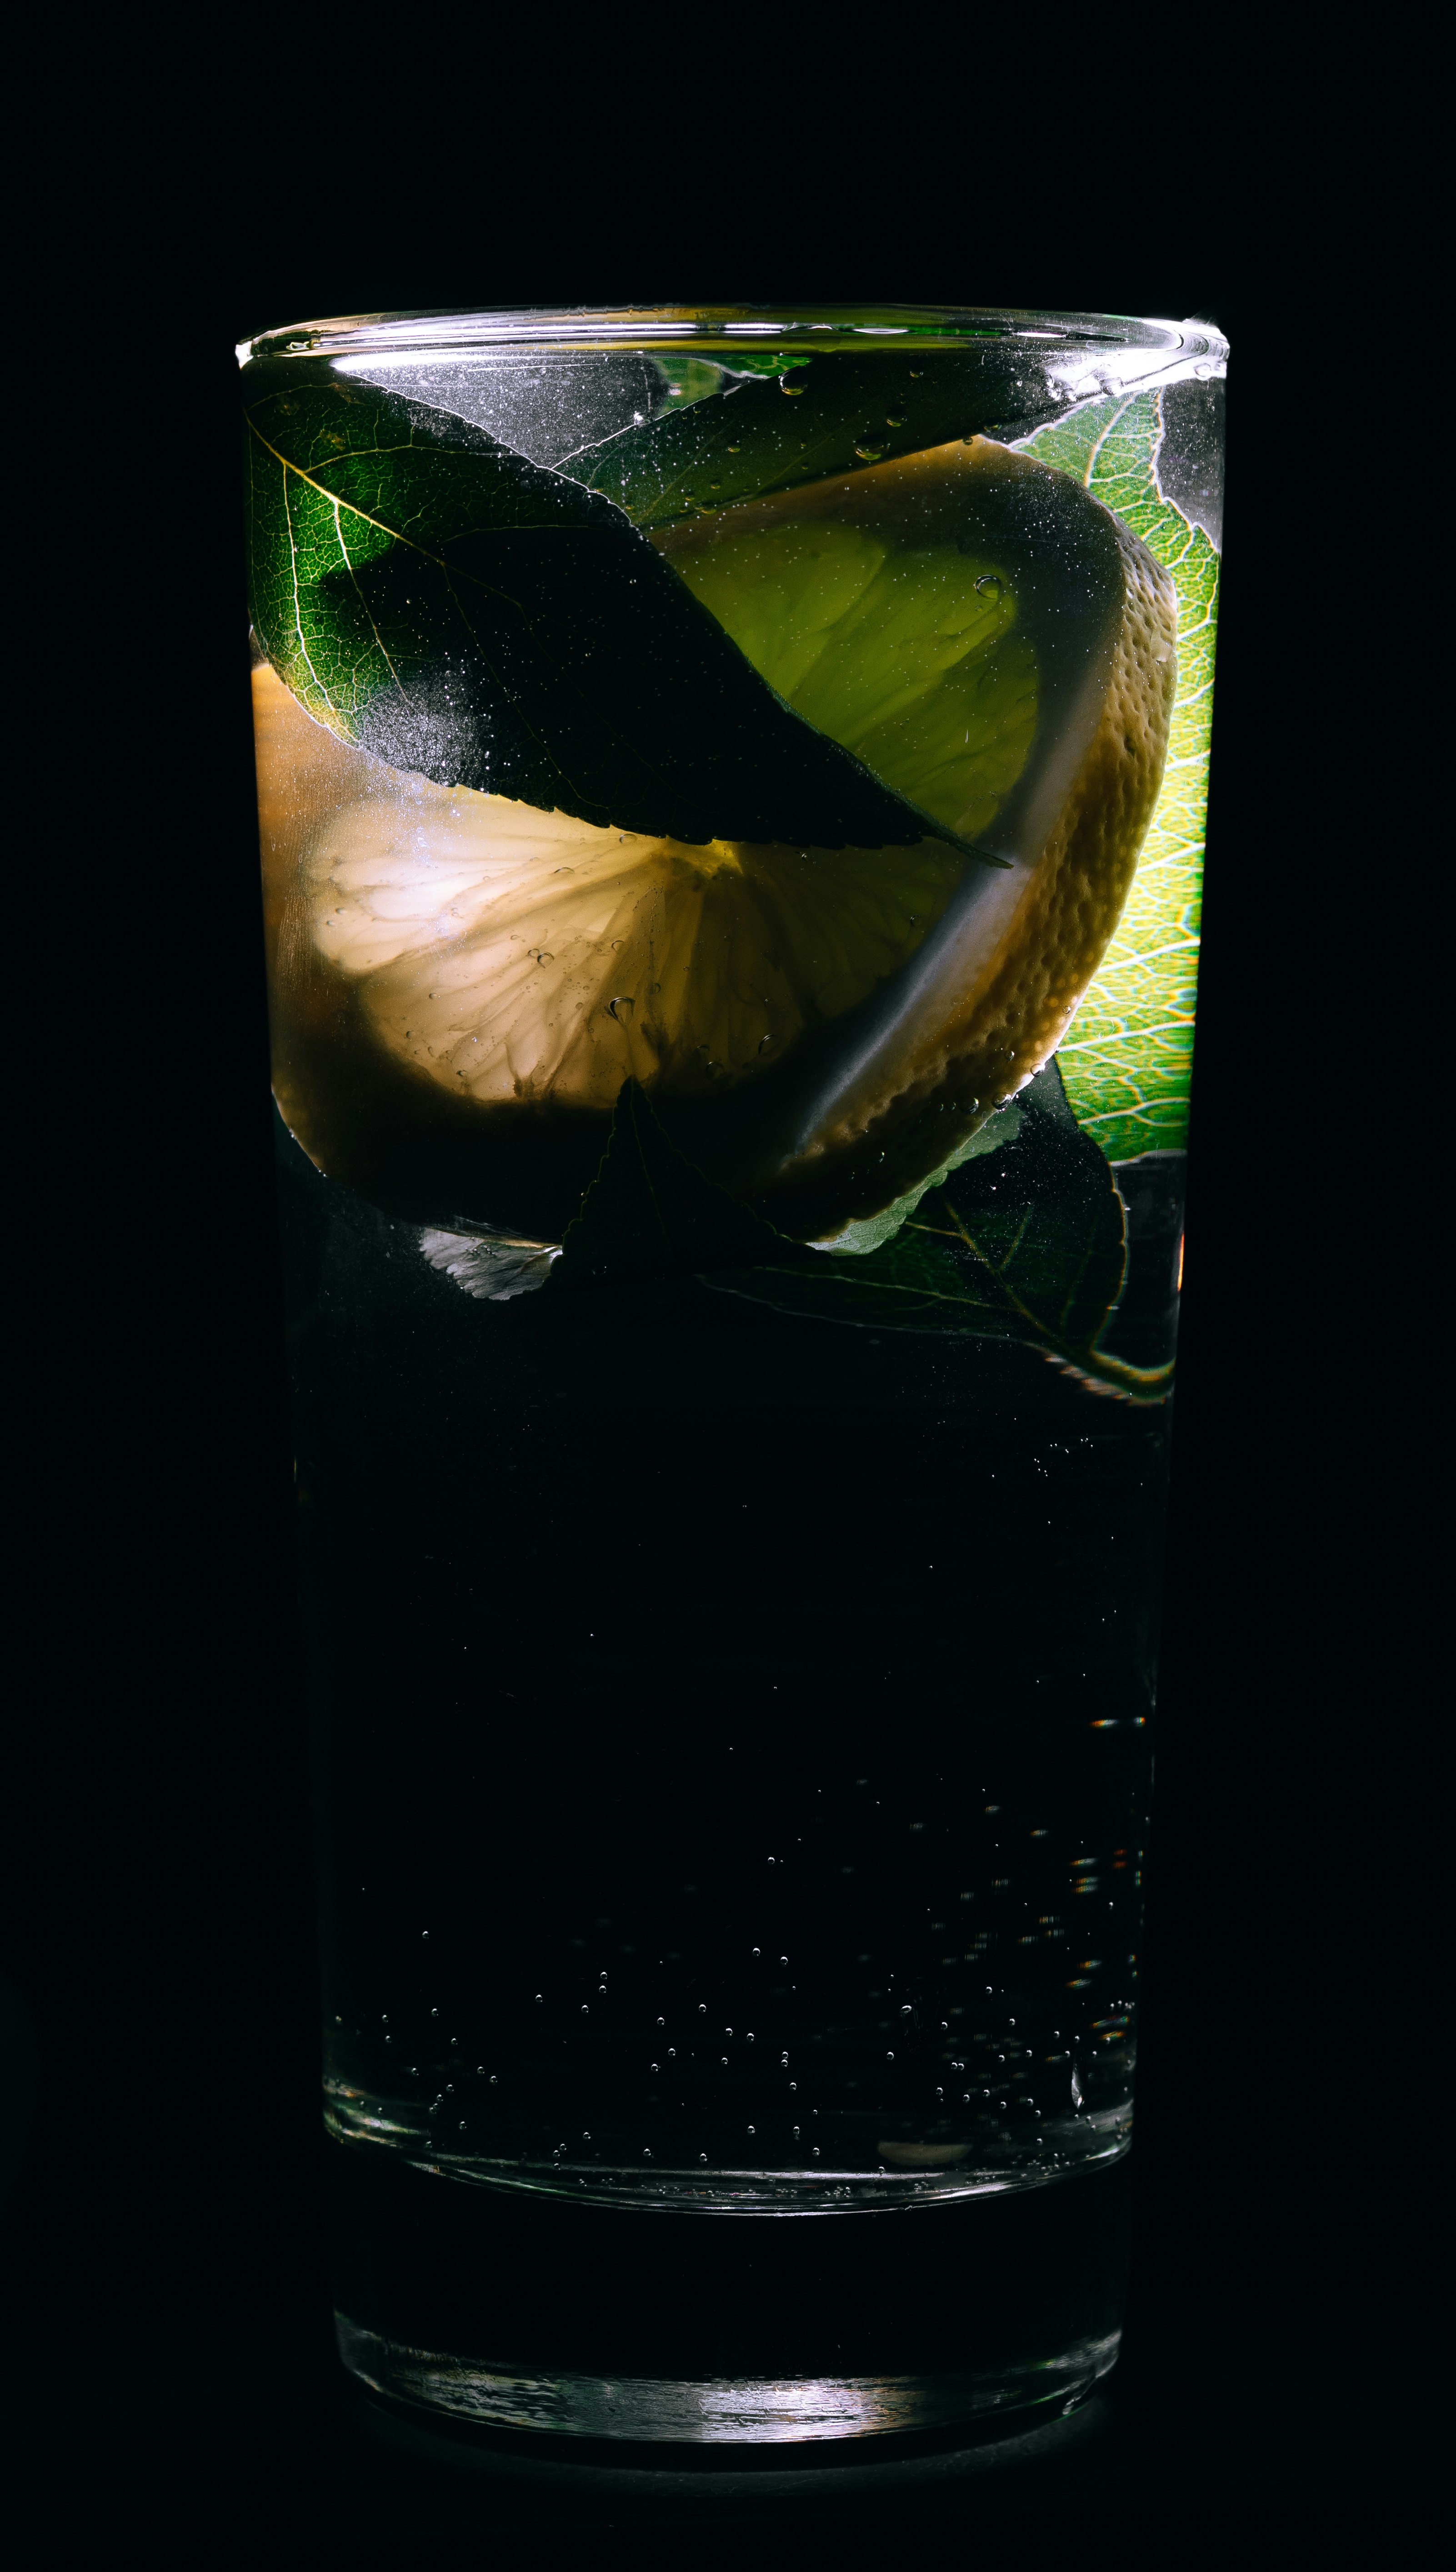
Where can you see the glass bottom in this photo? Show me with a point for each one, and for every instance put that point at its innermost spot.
(746, 2412)
(501, 2313)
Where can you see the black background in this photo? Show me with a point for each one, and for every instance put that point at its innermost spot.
(174, 2350)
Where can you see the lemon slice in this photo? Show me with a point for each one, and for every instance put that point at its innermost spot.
(984, 627)
(460, 984)
(509, 960)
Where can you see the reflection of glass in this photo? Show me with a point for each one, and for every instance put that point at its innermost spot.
(731, 790)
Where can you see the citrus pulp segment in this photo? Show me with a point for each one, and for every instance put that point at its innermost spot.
(509, 960)
(908, 656)
(515, 956)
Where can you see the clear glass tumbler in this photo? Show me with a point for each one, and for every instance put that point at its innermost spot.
(732, 789)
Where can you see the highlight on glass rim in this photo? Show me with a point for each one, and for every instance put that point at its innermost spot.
(731, 787)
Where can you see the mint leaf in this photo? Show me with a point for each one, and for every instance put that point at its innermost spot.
(836, 414)
(1127, 1057)
(458, 612)
(648, 1207)
(764, 361)
(1026, 1244)
(871, 1231)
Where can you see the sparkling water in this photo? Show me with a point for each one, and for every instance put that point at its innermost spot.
(733, 1728)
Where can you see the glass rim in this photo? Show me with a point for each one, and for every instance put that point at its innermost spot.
(1139, 347)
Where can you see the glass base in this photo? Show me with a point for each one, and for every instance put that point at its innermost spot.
(750, 2412)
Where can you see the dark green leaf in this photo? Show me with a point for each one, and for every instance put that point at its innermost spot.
(1025, 1244)
(429, 595)
(829, 417)
(650, 1208)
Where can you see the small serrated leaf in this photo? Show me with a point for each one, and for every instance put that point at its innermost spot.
(650, 1208)
(1027, 1245)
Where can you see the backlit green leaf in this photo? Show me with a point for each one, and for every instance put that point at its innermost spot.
(1127, 1057)
(648, 1207)
(463, 614)
(1027, 1243)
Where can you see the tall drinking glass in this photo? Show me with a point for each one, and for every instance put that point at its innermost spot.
(732, 789)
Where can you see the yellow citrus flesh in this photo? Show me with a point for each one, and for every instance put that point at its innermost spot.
(519, 954)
